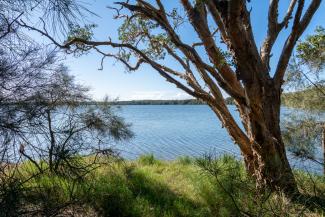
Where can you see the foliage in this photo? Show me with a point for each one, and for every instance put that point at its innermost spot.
(302, 131)
(229, 175)
(58, 15)
(81, 32)
(84, 33)
(302, 135)
(185, 160)
(148, 159)
(64, 129)
(312, 50)
(11, 195)
(309, 99)
(133, 188)
(42, 123)
(306, 67)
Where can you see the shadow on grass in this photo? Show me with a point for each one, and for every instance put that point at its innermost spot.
(161, 199)
(136, 194)
(310, 202)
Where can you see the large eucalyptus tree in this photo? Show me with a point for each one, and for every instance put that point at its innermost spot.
(149, 35)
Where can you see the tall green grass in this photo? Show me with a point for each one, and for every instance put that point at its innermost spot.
(151, 187)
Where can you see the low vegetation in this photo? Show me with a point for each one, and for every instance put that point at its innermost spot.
(311, 99)
(151, 187)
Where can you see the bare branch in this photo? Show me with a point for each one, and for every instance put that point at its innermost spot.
(9, 24)
(274, 28)
(127, 65)
(298, 28)
(288, 16)
(201, 43)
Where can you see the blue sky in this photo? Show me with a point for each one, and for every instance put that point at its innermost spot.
(145, 83)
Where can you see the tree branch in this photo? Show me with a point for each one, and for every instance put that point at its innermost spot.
(274, 28)
(198, 18)
(298, 28)
(233, 20)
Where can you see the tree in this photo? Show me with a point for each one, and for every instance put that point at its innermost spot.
(23, 62)
(25, 66)
(36, 92)
(304, 134)
(23, 70)
(149, 35)
(68, 128)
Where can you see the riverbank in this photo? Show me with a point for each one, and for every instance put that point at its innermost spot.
(150, 187)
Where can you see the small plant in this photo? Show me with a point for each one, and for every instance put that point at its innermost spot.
(10, 195)
(185, 160)
(148, 160)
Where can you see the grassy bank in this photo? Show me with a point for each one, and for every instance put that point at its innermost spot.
(149, 187)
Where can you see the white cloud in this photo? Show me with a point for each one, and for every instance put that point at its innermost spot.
(157, 95)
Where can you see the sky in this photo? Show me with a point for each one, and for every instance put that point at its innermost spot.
(145, 83)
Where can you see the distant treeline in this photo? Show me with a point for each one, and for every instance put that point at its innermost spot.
(162, 102)
(229, 101)
(313, 98)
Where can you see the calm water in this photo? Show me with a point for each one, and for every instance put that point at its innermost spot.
(170, 131)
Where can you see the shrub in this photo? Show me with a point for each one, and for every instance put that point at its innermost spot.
(148, 160)
(185, 160)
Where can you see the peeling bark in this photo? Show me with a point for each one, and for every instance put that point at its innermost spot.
(263, 149)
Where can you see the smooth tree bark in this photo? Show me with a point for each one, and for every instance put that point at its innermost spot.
(248, 79)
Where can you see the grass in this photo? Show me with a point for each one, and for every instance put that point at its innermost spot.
(148, 187)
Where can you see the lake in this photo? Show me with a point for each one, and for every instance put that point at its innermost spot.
(170, 131)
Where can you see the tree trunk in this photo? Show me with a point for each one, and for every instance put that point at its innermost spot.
(266, 160)
(269, 152)
(270, 163)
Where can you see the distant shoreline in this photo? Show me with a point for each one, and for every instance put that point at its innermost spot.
(229, 101)
(135, 102)
(160, 102)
